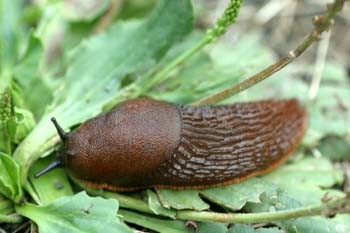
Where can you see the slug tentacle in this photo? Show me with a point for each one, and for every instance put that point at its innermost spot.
(60, 131)
(54, 164)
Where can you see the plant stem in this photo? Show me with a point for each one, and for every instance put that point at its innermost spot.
(321, 24)
(159, 77)
(12, 218)
(319, 67)
(334, 206)
(108, 17)
(212, 34)
(156, 224)
(124, 201)
(264, 217)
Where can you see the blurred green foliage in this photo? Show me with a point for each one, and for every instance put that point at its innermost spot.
(57, 59)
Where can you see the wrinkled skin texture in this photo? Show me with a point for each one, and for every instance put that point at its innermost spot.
(143, 143)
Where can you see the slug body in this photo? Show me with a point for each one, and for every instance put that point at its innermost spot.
(147, 143)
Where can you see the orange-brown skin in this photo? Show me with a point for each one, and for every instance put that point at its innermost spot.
(147, 143)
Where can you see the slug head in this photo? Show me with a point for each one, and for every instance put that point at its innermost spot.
(58, 162)
(124, 146)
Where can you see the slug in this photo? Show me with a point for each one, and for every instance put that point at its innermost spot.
(145, 143)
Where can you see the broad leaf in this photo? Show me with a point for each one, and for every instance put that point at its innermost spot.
(235, 196)
(10, 30)
(182, 199)
(281, 201)
(19, 125)
(7, 211)
(9, 178)
(36, 89)
(315, 224)
(78, 213)
(153, 223)
(156, 206)
(99, 66)
(335, 148)
(342, 221)
(209, 227)
(53, 185)
(83, 10)
(306, 180)
(240, 228)
(212, 70)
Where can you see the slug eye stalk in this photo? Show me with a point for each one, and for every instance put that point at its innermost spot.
(60, 131)
(56, 163)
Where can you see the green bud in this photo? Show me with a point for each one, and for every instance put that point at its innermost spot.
(5, 107)
(228, 18)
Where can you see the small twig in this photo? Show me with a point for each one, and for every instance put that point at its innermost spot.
(321, 24)
(192, 224)
(22, 226)
(270, 10)
(108, 17)
(346, 185)
(319, 67)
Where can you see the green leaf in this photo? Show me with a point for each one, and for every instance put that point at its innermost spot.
(212, 70)
(268, 203)
(78, 213)
(136, 9)
(305, 180)
(315, 224)
(333, 72)
(155, 205)
(35, 88)
(53, 185)
(27, 67)
(335, 148)
(9, 33)
(20, 124)
(9, 178)
(156, 224)
(7, 212)
(269, 230)
(15, 123)
(342, 222)
(182, 199)
(83, 10)
(235, 196)
(89, 83)
(241, 228)
(209, 227)
(329, 114)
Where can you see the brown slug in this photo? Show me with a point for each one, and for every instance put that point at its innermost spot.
(147, 143)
